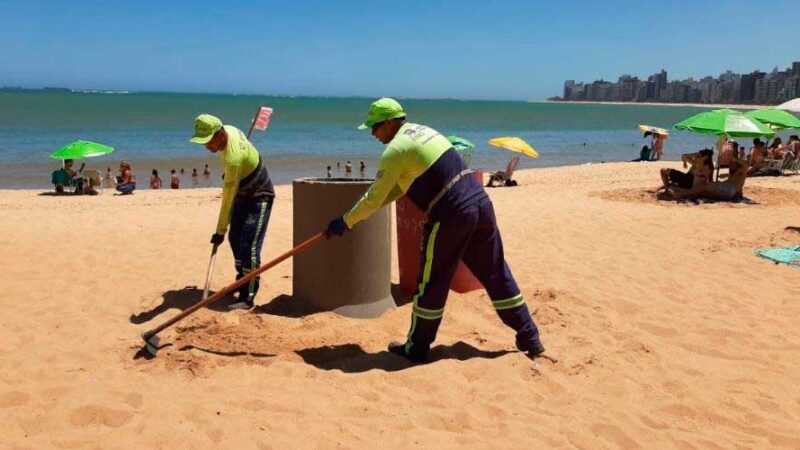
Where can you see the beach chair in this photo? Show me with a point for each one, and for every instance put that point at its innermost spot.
(504, 177)
(775, 166)
(62, 181)
(788, 162)
(795, 167)
(93, 180)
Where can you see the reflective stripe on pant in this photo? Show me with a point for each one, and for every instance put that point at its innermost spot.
(471, 235)
(246, 236)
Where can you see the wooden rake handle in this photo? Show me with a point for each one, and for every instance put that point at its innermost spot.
(210, 269)
(238, 283)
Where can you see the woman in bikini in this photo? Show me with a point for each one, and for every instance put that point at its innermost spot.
(702, 168)
(727, 190)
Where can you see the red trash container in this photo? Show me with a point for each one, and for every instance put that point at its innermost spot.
(410, 224)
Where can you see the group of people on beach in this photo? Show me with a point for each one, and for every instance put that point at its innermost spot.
(655, 151)
(348, 169)
(761, 155)
(699, 181)
(86, 182)
(175, 180)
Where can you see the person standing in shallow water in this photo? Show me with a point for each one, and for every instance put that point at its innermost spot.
(247, 197)
(155, 180)
(423, 165)
(110, 180)
(174, 180)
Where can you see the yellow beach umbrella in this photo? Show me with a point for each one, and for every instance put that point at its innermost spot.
(654, 130)
(514, 144)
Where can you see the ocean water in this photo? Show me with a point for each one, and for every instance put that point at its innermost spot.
(306, 134)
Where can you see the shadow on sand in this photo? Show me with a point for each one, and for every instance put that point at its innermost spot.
(285, 306)
(179, 299)
(663, 196)
(351, 358)
(58, 194)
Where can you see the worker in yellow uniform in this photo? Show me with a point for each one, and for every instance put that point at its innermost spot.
(247, 197)
(422, 164)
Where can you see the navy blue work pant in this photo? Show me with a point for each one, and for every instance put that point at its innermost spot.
(470, 235)
(246, 236)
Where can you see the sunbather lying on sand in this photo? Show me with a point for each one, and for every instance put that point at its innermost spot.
(701, 169)
(727, 190)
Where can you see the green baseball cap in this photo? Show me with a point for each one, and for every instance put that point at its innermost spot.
(382, 109)
(205, 125)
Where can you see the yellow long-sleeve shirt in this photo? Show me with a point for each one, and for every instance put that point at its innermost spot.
(407, 156)
(239, 159)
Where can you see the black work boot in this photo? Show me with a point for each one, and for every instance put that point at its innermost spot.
(417, 354)
(532, 348)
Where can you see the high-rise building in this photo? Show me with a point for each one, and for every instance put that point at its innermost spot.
(747, 91)
(628, 87)
(729, 87)
(569, 85)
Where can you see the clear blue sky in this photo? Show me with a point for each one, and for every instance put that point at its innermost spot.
(461, 49)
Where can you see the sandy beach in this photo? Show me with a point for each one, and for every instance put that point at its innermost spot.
(667, 330)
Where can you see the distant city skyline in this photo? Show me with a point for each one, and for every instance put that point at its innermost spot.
(468, 49)
(757, 87)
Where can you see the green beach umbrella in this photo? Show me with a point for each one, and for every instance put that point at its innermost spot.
(81, 149)
(724, 122)
(777, 119)
(460, 143)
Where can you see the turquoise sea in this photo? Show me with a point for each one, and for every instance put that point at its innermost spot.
(306, 133)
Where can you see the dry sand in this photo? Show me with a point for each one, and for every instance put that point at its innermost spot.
(667, 330)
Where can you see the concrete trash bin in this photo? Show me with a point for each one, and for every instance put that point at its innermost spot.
(410, 223)
(350, 275)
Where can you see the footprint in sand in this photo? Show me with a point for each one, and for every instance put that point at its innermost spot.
(11, 399)
(614, 435)
(133, 399)
(89, 415)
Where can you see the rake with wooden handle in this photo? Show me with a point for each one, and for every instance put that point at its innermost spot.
(150, 337)
(210, 269)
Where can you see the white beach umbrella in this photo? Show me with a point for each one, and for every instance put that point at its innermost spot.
(792, 106)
